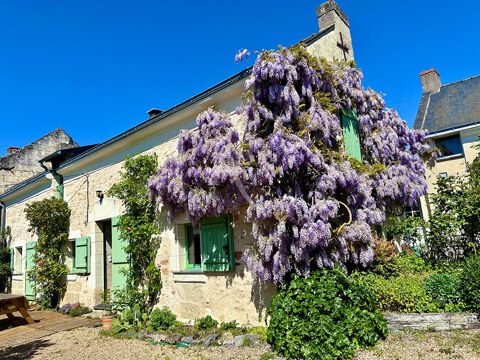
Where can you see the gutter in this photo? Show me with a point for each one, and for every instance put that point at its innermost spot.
(452, 129)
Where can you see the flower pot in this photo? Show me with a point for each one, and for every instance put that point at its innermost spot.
(107, 322)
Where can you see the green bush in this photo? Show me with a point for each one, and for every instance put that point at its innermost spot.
(80, 311)
(325, 316)
(400, 293)
(470, 283)
(206, 323)
(230, 325)
(162, 319)
(444, 289)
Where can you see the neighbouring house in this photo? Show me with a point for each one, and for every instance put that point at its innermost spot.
(96, 256)
(22, 163)
(451, 114)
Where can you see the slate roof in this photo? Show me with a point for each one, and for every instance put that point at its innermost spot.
(455, 105)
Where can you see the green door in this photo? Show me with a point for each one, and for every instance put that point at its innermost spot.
(215, 244)
(29, 284)
(120, 260)
(351, 135)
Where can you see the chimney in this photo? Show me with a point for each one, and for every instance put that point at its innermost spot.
(12, 150)
(430, 81)
(154, 112)
(329, 13)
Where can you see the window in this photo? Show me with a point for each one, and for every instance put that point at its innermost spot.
(443, 174)
(209, 247)
(413, 210)
(71, 255)
(18, 256)
(351, 136)
(450, 145)
(192, 246)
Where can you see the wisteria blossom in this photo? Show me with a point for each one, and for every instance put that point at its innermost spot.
(309, 203)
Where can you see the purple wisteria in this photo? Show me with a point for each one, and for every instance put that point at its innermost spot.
(309, 203)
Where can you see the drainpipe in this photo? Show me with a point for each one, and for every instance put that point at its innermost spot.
(2, 219)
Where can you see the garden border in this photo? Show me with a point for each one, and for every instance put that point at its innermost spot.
(437, 321)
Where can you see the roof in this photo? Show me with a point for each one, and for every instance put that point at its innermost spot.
(455, 105)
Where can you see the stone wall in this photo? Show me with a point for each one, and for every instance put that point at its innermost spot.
(23, 163)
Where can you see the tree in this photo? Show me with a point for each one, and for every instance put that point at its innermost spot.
(138, 228)
(49, 219)
(310, 202)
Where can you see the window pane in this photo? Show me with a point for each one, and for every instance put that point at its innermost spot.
(450, 145)
(193, 244)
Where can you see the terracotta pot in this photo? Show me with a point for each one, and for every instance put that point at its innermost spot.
(107, 322)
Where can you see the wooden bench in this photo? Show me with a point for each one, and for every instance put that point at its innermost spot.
(10, 303)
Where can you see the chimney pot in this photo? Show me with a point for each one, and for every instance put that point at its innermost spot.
(430, 81)
(154, 112)
(12, 150)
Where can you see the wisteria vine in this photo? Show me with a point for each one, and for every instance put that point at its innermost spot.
(291, 165)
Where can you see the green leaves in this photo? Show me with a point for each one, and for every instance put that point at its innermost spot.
(162, 319)
(49, 219)
(325, 316)
(138, 226)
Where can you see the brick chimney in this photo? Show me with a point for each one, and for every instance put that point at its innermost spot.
(154, 112)
(430, 81)
(12, 150)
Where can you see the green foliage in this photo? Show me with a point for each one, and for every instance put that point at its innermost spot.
(384, 255)
(49, 219)
(130, 319)
(138, 227)
(5, 271)
(80, 311)
(444, 289)
(229, 325)
(325, 316)
(206, 323)
(162, 319)
(470, 283)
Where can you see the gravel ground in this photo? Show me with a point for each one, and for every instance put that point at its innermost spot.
(86, 344)
(411, 345)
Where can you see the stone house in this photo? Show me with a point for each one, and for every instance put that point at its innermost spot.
(191, 287)
(451, 114)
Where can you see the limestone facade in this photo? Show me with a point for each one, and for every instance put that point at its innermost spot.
(226, 296)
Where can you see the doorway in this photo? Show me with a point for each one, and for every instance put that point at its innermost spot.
(106, 228)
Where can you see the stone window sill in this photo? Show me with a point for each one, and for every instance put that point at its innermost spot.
(71, 277)
(189, 276)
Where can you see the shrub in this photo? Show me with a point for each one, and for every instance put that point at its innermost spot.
(384, 254)
(470, 283)
(325, 316)
(162, 319)
(206, 323)
(230, 325)
(403, 293)
(80, 311)
(444, 289)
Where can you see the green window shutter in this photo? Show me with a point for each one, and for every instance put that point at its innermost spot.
(120, 258)
(81, 262)
(351, 136)
(12, 251)
(217, 244)
(30, 286)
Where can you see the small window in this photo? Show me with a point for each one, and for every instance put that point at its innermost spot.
(444, 174)
(17, 266)
(449, 145)
(413, 210)
(71, 256)
(192, 246)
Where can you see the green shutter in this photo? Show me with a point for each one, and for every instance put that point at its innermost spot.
(120, 259)
(217, 244)
(351, 135)
(81, 262)
(30, 291)
(12, 252)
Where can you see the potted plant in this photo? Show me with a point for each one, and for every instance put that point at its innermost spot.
(109, 314)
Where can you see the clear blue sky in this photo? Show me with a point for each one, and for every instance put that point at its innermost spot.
(95, 67)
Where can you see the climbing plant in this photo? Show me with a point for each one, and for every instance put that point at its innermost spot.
(5, 261)
(310, 202)
(49, 220)
(138, 229)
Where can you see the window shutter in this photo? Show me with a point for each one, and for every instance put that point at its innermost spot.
(82, 255)
(351, 135)
(217, 244)
(12, 252)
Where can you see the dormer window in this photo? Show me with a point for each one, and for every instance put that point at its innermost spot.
(450, 146)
